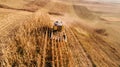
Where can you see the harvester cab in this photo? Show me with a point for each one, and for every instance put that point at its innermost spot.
(58, 26)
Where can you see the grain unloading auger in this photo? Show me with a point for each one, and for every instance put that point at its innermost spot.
(58, 32)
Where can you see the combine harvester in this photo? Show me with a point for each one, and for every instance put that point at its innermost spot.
(58, 32)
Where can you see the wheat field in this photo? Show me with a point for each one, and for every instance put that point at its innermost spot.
(29, 45)
(25, 35)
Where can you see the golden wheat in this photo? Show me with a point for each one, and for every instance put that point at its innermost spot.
(29, 45)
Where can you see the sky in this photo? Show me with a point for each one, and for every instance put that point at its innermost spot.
(112, 1)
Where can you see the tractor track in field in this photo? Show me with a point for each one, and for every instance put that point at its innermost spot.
(108, 47)
(78, 53)
(96, 48)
